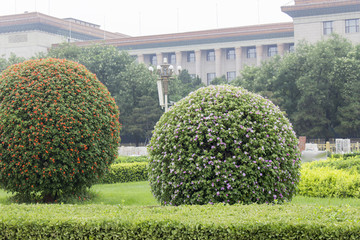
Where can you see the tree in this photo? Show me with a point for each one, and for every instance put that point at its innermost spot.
(137, 91)
(143, 119)
(219, 81)
(126, 80)
(348, 69)
(308, 85)
(319, 88)
(13, 59)
(181, 85)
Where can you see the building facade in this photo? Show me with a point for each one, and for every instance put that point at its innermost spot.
(30, 33)
(218, 52)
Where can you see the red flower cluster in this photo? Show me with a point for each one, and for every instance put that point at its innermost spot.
(55, 116)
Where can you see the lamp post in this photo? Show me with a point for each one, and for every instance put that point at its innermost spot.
(164, 72)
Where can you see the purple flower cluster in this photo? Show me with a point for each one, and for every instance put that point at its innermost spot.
(223, 144)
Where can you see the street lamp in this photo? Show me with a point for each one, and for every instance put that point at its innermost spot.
(164, 72)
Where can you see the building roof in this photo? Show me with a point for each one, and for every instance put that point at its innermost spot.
(303, 8)
(264, 31)
(67, 27)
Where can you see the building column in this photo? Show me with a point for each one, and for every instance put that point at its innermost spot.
(259, 54)
(140, 58)
(198, 64)
(281, 48)
(238, 59)
(178, 60)
(159, 58)
(218, 60)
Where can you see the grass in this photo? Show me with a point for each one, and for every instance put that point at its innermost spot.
(138, 194)
(128, 194)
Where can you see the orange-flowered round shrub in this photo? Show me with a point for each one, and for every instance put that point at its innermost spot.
(59, 128)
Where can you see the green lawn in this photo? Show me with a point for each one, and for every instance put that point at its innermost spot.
(138, 194)
(129, 194)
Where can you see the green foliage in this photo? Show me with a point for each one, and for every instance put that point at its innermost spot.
(328, 182)
(181, 85)
(130, 83)
(346, 163)
(223, 144)
(350, 155)
(185, 222)
(126, 172)
(317, 86)
(219, 80)
(141, 122)
(348, 70)
(13, 59)
(59, 129)
(130, 159)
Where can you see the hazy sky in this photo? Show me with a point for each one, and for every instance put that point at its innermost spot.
(146, 17)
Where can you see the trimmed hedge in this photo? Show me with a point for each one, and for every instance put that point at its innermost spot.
(328, 182)
(126, 172)
(185, 222)
(345, 163)
(131, 159)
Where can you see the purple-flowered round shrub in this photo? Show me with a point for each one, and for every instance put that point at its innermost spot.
(223, 144)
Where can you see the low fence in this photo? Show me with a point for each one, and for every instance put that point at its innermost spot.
(132, 151)
(331, 147)
(352, 144)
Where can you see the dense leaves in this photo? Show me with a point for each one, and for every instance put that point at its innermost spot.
(59, 128)
(6, 62)
(130, 83)
(223, 144)
(126, 172)
(335, 177)
(181, 85)
(317, 86)
(255, 221)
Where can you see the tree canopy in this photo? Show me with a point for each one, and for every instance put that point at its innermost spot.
(317, 86)
(128, 82)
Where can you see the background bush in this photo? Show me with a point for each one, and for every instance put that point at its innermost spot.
(59, 128)
(335, 177)
(130, 159)
(126, 172)
(223, 144)
(345, 163)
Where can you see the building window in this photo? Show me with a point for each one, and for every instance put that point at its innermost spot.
(230, 53)
(210, 56)
(210, 77)
(352, 25)
(153, 59)
(230, 76)
(190, 56)
(327, 27)
(291, 48)
(272, 50)
(251, 52)
(171, 58)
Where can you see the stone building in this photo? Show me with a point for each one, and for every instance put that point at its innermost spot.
(30, 33)
(211, 53)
